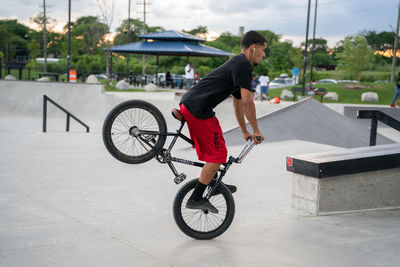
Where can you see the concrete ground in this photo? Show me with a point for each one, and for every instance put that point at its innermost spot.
(64, 201)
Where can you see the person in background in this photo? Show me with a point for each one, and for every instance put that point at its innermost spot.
(168, 80)
(264, 84)
(189, 75)
(196, 78)
(310, 88)
(396, 92)
(254, 83)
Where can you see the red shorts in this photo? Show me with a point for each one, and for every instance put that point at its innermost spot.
(207, 137)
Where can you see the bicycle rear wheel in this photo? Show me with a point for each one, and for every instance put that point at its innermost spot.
(201, 224)
(123, 131)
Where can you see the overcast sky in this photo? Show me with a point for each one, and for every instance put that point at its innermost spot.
(335, 20)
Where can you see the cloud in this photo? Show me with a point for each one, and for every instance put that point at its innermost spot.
(287, 17)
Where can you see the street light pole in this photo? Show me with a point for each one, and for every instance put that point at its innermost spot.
(127, 36)
(69, 40)
(396, 41)
(313, 40)
(44, 36)
(305, 50)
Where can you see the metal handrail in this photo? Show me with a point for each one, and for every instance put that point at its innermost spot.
(376, 115)
(69, 114)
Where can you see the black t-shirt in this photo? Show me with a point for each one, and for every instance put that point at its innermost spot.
(217, 86)
(398, 82)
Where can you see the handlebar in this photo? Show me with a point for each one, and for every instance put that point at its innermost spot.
(246, 149)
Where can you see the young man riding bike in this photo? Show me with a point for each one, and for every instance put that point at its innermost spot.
(232, 78)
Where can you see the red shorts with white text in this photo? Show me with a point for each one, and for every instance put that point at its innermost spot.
(207, 137)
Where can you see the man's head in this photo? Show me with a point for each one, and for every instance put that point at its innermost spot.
(253, 46)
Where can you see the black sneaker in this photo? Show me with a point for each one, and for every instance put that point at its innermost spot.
(202, 204)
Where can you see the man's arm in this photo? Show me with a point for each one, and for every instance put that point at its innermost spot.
(239, 113)
(246, 107)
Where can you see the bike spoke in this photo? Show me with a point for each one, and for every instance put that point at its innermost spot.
(202, 221)
(122, 138)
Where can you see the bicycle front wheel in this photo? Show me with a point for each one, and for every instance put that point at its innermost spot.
(200, 224)
(134, 131)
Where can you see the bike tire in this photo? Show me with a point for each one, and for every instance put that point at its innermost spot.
(117, 131)
(199, 224)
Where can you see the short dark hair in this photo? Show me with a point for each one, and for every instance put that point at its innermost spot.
(252, 37)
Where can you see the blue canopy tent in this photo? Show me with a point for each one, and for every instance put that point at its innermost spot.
(170, 43)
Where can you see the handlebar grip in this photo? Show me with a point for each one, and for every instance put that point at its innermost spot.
(258, 138)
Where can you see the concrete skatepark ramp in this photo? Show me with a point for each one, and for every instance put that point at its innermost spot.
(25, 98)
(311, 121)
(66, 202)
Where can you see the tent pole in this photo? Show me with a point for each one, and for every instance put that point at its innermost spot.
(157, 71)
(110, 78)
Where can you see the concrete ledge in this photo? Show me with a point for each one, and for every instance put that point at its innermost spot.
(348, 180)
(347, 193)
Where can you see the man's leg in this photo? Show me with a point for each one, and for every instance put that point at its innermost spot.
(196, 200)
(207, 174)
(396, 95)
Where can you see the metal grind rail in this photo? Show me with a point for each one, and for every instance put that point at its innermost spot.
(376, 115)
(69, 114)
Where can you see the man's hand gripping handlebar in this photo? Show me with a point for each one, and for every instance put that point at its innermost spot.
(257, 137)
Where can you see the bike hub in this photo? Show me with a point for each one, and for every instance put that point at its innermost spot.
(134, 131)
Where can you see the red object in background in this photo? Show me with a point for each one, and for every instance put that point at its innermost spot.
(275, 100)
(72, 76)
(289, 162)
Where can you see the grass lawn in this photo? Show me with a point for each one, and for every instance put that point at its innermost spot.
(111, 88)
(385, 92)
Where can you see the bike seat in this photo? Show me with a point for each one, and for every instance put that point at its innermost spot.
(176, 113)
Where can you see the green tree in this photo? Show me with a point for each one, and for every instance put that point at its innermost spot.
(13, 39)
(271, 38)
(90, 35)
(199, 30)
(356, 56)
(296, 57)
(137, 28)
(379, 41)
(279, 58)
(34, 49)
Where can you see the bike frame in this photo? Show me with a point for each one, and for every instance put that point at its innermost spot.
(165, 155)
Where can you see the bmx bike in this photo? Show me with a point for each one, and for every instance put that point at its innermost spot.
(135, 131)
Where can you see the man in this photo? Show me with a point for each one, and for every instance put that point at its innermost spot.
(189, 75)
(396, 93)
(232, 78)
(264, 85)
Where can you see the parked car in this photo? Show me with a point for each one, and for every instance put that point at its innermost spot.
(347, 81)
(281, 82)
(178, 80)
(284, 75)
(385, 81)
(160, 79)
(101, 77)
(327, 81)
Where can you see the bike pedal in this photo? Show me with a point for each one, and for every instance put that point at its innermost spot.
(179, 178)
